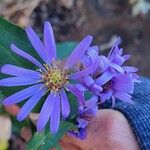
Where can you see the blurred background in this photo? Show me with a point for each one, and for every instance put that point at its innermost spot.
(74, 19)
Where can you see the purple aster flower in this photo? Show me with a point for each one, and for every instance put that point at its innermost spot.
(52, 76)
(120, 86)
(113, 62)
(111, 80)
(85, 114)
(132, 71)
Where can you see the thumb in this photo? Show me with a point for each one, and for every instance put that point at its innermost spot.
(108, 130)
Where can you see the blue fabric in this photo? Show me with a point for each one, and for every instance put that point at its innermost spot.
(138, 114)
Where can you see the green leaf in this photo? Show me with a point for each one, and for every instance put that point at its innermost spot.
(45, 141)
(64, 49)
(36, 141)
(51, 140)
(10, 33)
(73, 106)
(1, 97)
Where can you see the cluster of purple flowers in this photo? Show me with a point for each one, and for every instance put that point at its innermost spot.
(105, 77)
(112, 79)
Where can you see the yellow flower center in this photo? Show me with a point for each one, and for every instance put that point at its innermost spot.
(54, 77)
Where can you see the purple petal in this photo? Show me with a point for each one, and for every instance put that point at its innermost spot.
(119, 60)
(123, 96)
(114, 49)
(123, 83)
(65, 104)
(22, 95)
(76, 92)
(120, 51)
(136, 78)
(93, 54)
(92, 106)
(86, 61)
(82, 123)
(55, 116)
(46, 111)
(19, 71)
(104, 78)
(26, 56)
(106, 96)
(113, 101)
(88, 80)
(80, 87)
(29, 105)
(85, 72)
(90, 56)
(78, 52)
(130, 69)
(104, 63)
(117, 67)
(96, 87)
(36, 43)
(126, 57)
(94, 48)
(82, 133)
(92, 102)
(17, 81)
(49, 41)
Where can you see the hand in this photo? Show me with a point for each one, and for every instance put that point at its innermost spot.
(109, 130)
